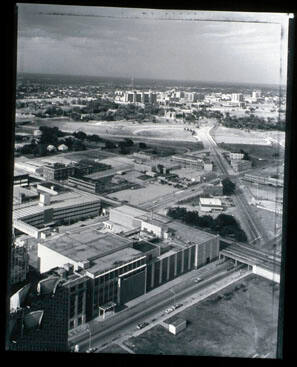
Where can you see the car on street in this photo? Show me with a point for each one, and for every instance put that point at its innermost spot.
(91, 350)
(170, 309)
(197, 280)
(178, 305)
(141, 325)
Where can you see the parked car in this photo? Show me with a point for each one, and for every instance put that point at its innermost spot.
(178, 305)
(141, 325)
(91, 350)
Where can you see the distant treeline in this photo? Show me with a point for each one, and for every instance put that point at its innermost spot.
(252, 122)
(100, 109)
(53, 136)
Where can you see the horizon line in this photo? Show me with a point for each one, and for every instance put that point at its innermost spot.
(153, 78)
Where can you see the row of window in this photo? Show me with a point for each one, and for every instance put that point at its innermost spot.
(76, 212)
(121, 270)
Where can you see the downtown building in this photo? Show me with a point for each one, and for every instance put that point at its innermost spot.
(38, 317)
(115, 268)
(50, 207)
(19, 263)
(139, 97)
(112, 271)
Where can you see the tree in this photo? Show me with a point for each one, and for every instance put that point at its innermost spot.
(78, 145)
(80, 135)
(160, 168)
(142, 145)
(129, 142)
(228, 186)
(109, 145)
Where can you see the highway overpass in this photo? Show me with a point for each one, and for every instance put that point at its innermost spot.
(262, 263)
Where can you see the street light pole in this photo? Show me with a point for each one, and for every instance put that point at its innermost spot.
(171, 290)
(90, 337)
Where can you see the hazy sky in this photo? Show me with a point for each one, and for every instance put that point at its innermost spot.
(150, 44)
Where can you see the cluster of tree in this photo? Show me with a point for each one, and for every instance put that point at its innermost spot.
(50, 135)
(252, 122)
(205, 113)
(110, 111)
(223, 224)
(73, 144)
(125, 146)
(228, 186)
(34, 148)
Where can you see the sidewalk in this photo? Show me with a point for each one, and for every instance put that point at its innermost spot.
(161, 318)
(143, 303)
(96, 324)
(205, 270)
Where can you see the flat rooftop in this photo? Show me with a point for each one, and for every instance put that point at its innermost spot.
(101, 174)
(113, 260)
(210, 201)
(144, 246)
(86, 244)
(17, 190)
(156, 221)
(19, 172)
(187, 172)
(63, 200)
(187, 234)
(177, 322)
(129, 210)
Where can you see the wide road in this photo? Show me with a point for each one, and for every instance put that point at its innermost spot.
(170, 199)
(254, 256)
(128, 318)
(255, 231)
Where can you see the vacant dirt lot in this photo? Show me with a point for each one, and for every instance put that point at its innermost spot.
(240, 321)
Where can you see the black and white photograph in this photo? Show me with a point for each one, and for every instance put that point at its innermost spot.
(149, 167)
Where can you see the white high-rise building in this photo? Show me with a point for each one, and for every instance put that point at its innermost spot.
(256, 94)
(237, 97)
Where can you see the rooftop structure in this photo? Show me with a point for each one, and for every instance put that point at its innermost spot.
(87, 249)
(101, 174)
(51, 209)
(187, 234)
(210, 204)
(177, 325)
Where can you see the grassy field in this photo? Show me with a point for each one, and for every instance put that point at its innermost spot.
(240, 321)
(88, 154)
(271, 221)
(170, 133)
(240, 136)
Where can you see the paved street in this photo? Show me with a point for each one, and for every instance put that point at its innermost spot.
(151, 306)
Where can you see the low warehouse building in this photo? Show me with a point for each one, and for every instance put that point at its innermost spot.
(177, 326)
(210, 204)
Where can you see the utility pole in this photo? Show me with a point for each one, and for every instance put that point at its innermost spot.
(171, 290)
(90, 337)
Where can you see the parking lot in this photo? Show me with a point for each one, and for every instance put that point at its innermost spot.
(151, 192)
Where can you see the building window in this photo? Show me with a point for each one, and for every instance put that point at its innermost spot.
(79, 321)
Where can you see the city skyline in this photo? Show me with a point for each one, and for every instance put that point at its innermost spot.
(152, 44)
